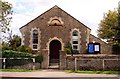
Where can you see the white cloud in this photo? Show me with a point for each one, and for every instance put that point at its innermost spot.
(20, 7)
(18, 21)
(89, 12)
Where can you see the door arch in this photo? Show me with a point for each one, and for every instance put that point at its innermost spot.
(54, 48)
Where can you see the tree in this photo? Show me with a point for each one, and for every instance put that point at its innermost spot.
(105, 30)
(109, 29)
(5, 16)
(15, 42)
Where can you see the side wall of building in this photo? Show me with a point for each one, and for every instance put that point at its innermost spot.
(105, 48)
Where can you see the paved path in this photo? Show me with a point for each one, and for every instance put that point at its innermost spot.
(57, 74)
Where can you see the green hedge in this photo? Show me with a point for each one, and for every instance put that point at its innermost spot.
(17, 62)
(16, 54)
(39, 58)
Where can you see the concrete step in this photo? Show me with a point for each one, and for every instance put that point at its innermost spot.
(54, 66)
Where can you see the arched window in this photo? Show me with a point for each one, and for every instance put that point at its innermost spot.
(75, 40)
(55, 21)
(75, 33)
(35, 40)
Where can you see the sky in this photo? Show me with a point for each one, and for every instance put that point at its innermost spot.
(89, 12)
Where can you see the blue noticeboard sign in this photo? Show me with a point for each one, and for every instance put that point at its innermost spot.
(91, 48)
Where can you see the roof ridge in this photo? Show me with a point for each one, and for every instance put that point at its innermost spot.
(60, 9)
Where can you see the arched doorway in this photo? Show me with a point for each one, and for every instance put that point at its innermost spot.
(54, 46)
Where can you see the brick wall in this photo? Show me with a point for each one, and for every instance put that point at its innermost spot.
(91, 62)
(26, 66)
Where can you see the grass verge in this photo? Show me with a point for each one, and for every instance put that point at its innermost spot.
(93, 72)
(17, 70)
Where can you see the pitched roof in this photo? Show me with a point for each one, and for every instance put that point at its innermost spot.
(49, 10)
(98, 38)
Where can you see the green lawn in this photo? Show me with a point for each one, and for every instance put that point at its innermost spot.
(93, 72)
(70, 71)
(17, 70)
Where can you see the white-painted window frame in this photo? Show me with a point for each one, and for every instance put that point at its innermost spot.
(33, 38)
(75, 38)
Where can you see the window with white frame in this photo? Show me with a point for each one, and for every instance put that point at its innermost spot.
(75, 40)
(35, 40)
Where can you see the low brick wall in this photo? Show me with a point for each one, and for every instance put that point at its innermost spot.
(92, 62)
(26, 66)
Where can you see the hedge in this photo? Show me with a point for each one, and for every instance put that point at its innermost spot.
(17, 62)
(15, 54)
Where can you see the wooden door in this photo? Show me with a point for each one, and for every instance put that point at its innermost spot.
(55, 46)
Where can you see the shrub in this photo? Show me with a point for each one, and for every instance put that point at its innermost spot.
(5, 47)
(75, 52)
(28, 49)
(39, 58)
(86, 51)
(15, 54)
(116, 48)
(22, 49)
(17, 62)
(67, 50)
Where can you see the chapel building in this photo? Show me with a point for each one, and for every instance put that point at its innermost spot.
(52, 30)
